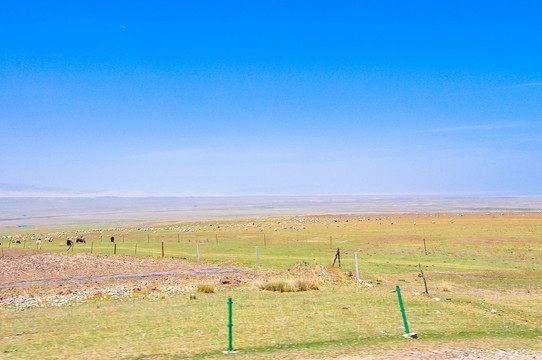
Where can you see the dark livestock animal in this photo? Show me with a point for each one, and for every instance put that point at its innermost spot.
(69, 242)
(112, 239)
(80, 239)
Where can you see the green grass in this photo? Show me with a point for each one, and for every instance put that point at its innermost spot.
(265, 323)
(479, 262)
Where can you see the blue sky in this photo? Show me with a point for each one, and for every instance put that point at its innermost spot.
(251, 97)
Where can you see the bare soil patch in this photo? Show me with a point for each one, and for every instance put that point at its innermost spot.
(21, 265)
(36, 265)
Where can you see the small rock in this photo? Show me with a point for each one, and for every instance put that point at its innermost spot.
(411, 336)
(436, 299)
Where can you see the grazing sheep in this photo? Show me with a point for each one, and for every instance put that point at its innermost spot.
(80, 239)
(112, 239)
(69, 241)
(38, 243)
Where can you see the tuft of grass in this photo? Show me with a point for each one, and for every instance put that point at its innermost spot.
(445, 286)
(290, 285)
(206, 289)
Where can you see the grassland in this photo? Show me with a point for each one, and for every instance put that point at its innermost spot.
(485, 269)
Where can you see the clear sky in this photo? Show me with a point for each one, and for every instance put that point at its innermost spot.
(275, 97)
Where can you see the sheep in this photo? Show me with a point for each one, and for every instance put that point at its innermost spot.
(80, 239)
(69, 241)
(38, 243)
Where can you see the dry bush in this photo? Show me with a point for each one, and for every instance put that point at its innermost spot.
(445, 286)
(290, 285)
(207, 289)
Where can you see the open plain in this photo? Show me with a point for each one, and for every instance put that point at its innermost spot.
(104, 299)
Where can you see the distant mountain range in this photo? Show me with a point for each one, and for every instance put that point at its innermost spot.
(22, 190)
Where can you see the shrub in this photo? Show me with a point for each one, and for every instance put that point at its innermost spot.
(207, 289)
(291, 285)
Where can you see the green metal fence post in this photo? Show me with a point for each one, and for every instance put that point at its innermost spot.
(402, 308)
(230, 325)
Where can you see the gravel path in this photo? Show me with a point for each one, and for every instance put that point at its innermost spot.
(453, 354)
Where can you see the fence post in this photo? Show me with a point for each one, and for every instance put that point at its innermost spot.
(230, 325)
(424, 247)
(257, 256)
(424, 282)
(197, 251)
(407, 331)
(336, 257)
(91, 246)
(357, 269)
(115, 251)
(162, 248)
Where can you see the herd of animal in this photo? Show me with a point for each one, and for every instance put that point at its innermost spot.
(70, 240)
(78, 239)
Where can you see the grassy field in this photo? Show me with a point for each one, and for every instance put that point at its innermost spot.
(486, 269)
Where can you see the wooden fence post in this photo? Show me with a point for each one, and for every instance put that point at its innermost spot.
(424, 247)
(424, 282)
(336, 257)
